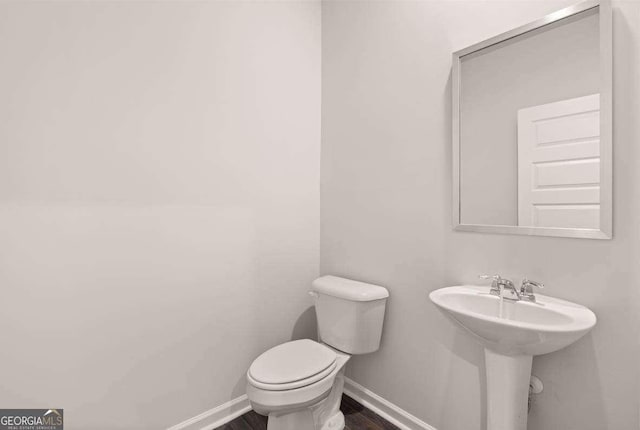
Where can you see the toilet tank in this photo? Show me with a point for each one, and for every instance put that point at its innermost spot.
(349, 313)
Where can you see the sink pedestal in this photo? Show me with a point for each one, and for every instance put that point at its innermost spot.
(507, 390)
(512, 332)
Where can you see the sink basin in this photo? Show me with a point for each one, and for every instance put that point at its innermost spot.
(525, 328)
(512, 332)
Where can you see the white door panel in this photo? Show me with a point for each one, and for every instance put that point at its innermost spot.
(559, 164)
(579, 150)
(567, 128)
(560, 196)
(567, 216)
(566, 172)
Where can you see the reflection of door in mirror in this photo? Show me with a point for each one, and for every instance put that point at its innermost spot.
(559, 164)
(532, 128)
(545, 67)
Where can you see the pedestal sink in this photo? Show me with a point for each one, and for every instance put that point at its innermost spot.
(512, 332)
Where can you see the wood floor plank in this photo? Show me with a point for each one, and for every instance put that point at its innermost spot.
(255, 421)
(365, 416)
(357, 417)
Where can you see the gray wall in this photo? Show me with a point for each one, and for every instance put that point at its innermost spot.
(385, 203)
(159, 202)
(556, 63)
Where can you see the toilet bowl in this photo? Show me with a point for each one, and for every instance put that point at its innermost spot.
(299, 384)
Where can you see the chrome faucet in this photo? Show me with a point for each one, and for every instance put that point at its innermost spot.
(502, 287)
(526, 289)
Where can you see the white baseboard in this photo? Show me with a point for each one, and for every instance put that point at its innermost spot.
(216, 417)
(387, 410)
(220, 415)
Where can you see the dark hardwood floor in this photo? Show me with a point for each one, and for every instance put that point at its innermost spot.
(357, 417)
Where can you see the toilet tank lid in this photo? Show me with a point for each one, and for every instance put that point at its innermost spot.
(348, 289)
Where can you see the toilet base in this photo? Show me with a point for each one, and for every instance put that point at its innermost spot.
(303, 419)
(319, 413)
(297, 420)
(335, 423)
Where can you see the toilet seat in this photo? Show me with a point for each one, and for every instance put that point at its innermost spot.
(292, 365)
(266, 401)
(292, 385)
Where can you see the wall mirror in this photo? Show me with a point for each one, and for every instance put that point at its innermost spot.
(532, 128)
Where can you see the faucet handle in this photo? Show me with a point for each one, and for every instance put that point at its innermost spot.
(528, 284)
(526, 289)
(495, 281)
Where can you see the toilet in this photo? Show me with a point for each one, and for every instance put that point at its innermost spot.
(299, 384)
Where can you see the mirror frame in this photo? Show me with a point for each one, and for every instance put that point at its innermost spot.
(606, 126)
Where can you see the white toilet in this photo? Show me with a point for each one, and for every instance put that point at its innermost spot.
(299, 384)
